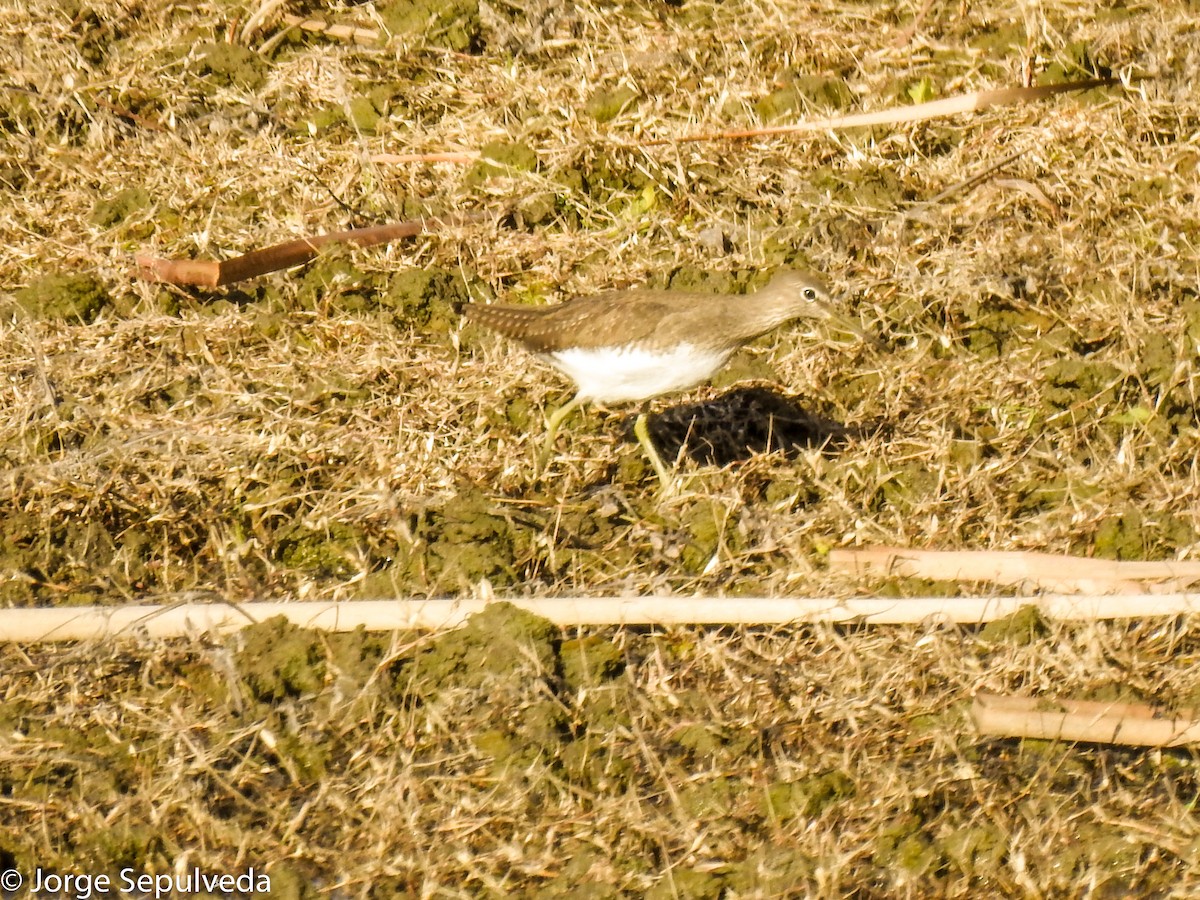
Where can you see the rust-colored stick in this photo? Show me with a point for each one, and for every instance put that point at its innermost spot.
(210, 274)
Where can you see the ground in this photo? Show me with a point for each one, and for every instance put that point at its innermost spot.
(336, 432)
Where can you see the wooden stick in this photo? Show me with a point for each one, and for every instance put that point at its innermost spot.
(917, 112)
(1049, 571)
(211, 274)
(1056, 719)
(348, 32)
(87, 623)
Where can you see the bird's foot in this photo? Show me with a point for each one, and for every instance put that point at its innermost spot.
(666, 479)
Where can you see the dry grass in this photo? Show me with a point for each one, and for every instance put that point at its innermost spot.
(336, 433)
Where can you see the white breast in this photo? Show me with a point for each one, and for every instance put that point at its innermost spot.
(616, 374)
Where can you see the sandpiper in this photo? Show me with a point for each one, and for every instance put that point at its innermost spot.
(636, 344)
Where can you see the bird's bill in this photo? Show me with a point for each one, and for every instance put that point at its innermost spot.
(845, 323)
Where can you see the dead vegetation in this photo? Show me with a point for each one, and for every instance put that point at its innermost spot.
(337, 433)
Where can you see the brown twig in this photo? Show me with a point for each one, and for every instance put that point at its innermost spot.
(970, 182)
(130, 115)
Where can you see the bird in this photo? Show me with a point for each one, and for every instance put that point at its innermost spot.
(640, 343)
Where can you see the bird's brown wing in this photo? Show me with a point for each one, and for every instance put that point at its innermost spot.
(599, 320)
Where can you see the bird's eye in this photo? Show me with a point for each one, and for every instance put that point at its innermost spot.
(809, 294)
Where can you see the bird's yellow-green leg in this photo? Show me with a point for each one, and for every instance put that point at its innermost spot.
(642, 431)
(552, 423)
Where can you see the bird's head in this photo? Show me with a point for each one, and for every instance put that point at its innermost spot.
(797, 294)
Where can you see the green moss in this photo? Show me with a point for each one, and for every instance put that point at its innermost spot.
(910, 486)
(1080, 382)
(332, 389)
(804, 93)
(86, 760)
(1109, 847)
(705, 524)
(807, 797)
(363, 115)
(425, 298)
(591, 660)
(501, 158)
(703, 740)
(502, 652)
(1074, 63)
(368, 109)
(774, 870)
(607, 708)
(873, 187)
(278, 660)
(1189, 311)
(903, 845)
(1157, 359)
(1054, 493)
(120, 846)
(606, 105)
(745, 366)
(997, 329)
(1134, 535)
(334, 281)
(522, 416)
(462, 541)
(1025, 626)
(331, 552)
(1150, 191)
(453, 24)
(18, 112)
(113, 210)
(70, 298)
(711, 799)
(789, 494)
(574, 878)
(304, 760)
(976, 849)
(288, 882)
(208, 689)
(229, 65)
(681, 882)
(1120, 537)
(966, 454)
(540, 208)
(601, 176)
(499, 641)
(592, 765)
(1113, 692)
(355, 655)
(321, 119)
(705, 281)
(494, 743)
(1000, 40)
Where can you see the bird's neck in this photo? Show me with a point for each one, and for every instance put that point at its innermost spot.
(753, 315)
